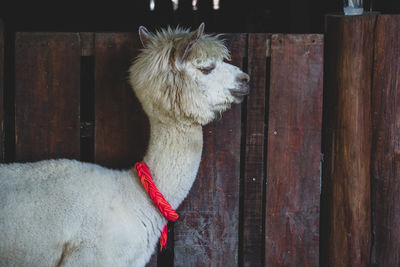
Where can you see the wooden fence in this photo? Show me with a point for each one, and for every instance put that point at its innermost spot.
(256, 200)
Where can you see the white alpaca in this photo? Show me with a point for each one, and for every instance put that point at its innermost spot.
(68, 213)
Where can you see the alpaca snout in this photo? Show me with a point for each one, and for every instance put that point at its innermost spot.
(242, 90)
(242, 85)
(243, 78)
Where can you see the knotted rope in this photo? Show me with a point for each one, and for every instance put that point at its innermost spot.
(159, 201)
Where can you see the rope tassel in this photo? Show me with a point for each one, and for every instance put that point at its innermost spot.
(159, 201)
(163, 238)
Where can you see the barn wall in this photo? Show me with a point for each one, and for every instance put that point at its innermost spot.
(256, 200)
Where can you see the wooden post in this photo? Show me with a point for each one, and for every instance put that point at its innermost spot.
(386, 143)
(346, 235)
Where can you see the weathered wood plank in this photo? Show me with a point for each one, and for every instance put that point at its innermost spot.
(294, 145)
(254, 173)
(347, 145)
(1, 91)
(121, 126)
(47, 95)
(386, 143)
(87, 43)
(206, 233)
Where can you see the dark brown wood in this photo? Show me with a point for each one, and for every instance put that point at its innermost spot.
(346, 239)
(87, 43)
(1, 91)
(206, 233)
(294, 145)
(386, 143)
(121, 126)
(47, 95)
(254, 174)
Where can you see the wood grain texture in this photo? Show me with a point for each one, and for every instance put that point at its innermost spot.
(87, 43)
(206, 233)
(254, 180)
(1, 91)
(386, 143)
(347, 145)
(47, 95)
(294, 145)
(121, 126)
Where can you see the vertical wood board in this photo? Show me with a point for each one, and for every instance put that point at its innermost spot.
(293, 157)
(206, 233)
(121, 126)
(47, 67)
(386, 143)
(347, 141)
(253, 183)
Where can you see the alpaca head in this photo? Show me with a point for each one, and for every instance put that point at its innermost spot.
(181, 76)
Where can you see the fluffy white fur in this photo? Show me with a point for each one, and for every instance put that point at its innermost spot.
(68, 213)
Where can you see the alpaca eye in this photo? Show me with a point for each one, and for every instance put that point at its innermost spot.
(207, 70)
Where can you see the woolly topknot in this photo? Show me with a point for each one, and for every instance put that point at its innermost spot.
(206, 46)
(163, 47)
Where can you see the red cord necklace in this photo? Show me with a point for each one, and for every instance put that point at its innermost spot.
(159, 201)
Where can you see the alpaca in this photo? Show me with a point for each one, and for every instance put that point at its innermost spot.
(68, 213)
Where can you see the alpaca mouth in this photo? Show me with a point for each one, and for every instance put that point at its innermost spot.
(239, 94)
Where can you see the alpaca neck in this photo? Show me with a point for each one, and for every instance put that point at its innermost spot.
(173, 157)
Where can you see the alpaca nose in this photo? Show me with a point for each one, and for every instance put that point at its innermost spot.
(243, 78)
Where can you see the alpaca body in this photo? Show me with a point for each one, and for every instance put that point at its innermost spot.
(93, 216)
(68, 213)
(74, 214)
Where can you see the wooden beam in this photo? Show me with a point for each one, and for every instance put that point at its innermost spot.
(346, 239)
(386, 143)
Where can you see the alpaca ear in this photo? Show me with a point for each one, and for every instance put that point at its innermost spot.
(144, 35)
(193, 39)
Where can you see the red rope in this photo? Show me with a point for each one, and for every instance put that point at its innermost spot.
(159, 201)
